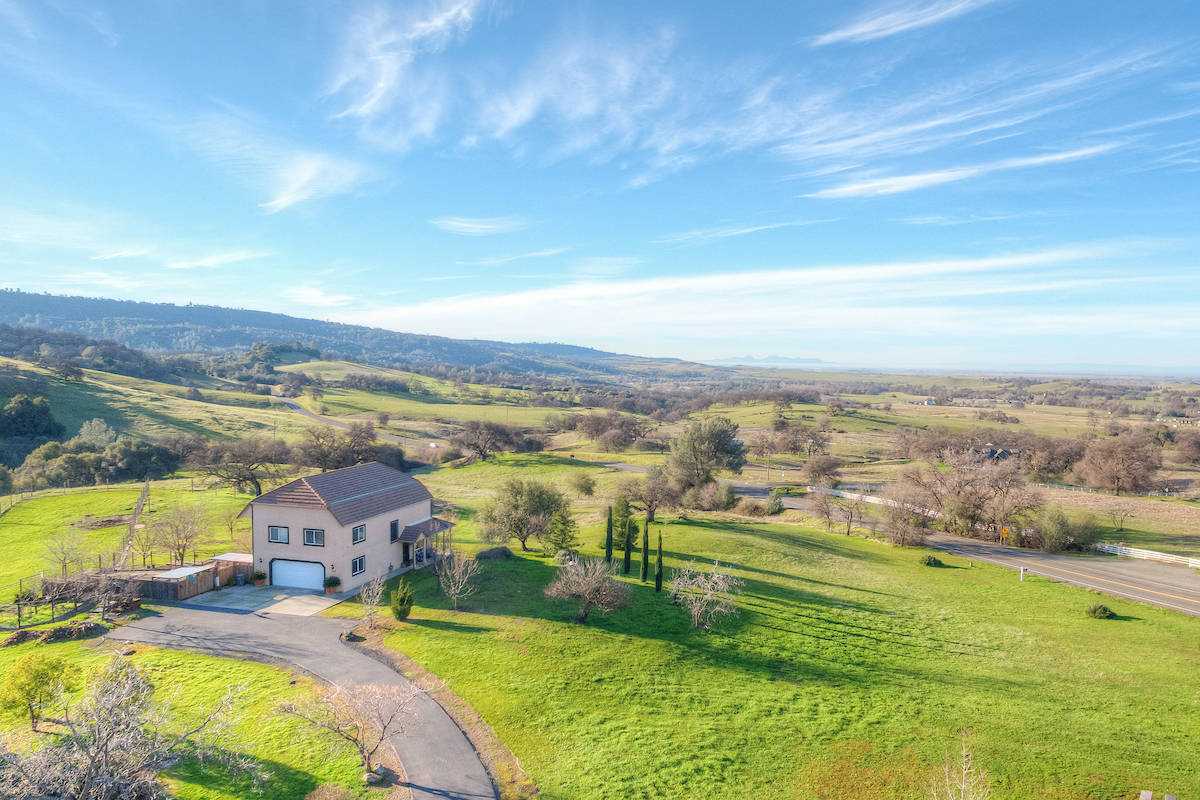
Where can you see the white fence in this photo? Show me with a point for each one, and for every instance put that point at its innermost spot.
(1149, 555)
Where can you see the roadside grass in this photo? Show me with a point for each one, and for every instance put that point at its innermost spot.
(25, 528)
(193, 684)
(852, 668)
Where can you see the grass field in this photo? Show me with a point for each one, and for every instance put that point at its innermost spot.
(25, 527)
(193, 683)
(849, 674)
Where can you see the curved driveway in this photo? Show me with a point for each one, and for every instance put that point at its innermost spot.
(438, 759)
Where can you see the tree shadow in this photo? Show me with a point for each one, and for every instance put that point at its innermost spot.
(448, 625)
(218, 779)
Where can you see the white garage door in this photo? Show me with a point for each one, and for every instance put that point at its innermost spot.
(300, 574)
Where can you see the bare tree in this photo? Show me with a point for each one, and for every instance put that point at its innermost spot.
(112, 743)
(366, 715)
(850, 511)
(707, 596)
(245, 464)
(821, 470)
(961, 779)
(181, 528)
(371, 599)
(1120, 464)
(589, 581)
(66, 548)
(145, 541)
(456, 573)
(907, 513)
(822, 508)
(1119, 514)
(482, 439)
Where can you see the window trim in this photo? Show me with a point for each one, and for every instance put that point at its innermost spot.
(361, 561)
(358, 534)
(314, 543)
(271, 529)
(394, 530)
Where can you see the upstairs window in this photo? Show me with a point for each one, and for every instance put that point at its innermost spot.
(314, 537)
(395, 530)
(358, 534)
(277, 534)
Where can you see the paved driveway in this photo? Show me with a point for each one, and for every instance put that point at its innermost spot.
(440, 762)
(270, 599)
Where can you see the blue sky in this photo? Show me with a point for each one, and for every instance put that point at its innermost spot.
(913, 183)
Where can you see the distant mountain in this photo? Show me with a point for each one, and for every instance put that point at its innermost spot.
(766, 361)
(169, 328)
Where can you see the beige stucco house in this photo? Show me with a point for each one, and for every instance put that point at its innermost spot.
(354, 523)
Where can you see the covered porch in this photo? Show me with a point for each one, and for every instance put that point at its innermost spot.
(424, 542)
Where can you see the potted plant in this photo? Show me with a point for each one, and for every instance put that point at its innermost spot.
(332, 583)
(259, 577)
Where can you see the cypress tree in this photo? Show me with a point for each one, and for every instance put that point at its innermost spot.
(658, 566)
(645, 552)
(628, 537)
(608, 538)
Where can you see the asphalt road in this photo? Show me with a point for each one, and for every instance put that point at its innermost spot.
(439, 760)
(1164, 585)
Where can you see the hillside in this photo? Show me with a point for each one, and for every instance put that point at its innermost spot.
(169, 328)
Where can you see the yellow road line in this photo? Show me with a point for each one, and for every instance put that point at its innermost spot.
(1117, 583)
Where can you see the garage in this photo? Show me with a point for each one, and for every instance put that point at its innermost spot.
(298, 574)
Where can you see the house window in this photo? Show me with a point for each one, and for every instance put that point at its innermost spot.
(277, 534)
(395, 530)
(359, 534)
(358, 565)
(314, 537)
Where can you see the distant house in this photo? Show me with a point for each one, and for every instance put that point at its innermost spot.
(354, 523)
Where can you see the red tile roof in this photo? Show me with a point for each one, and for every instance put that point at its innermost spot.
(352, 494)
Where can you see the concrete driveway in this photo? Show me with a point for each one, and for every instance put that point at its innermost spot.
(273, 599)
(440, 762)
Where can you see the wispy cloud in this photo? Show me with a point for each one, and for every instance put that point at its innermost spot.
(709, 234)
(896, 184)
(604, 266)
(216, 260)
(17, 19)
(314, 297)
(479, 226)
(128, 252)
(497, 260)
(1149, 123)
(889, 21)
(375, 82)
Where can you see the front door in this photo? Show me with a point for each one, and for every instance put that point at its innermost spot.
(406, 555)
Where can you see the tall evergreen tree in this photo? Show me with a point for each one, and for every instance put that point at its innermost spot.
(658, 566)
(608, 538)
(628, 537)
(645, 552)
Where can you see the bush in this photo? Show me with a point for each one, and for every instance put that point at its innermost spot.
(775, 502)
(751, 508)
(401, 601)
(493, 554)
(1060, 533)
(1100, 611)
(332, 582)
(582, 484)
(726, 498)
(930, 560)
(258, 575)
(330, 792)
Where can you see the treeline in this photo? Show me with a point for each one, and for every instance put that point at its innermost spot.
(67, 353)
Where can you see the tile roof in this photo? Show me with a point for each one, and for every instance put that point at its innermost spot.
(428, 527)
(352, 494)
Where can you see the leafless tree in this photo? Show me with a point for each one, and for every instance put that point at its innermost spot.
(907, 514)
(112, 743)
(482, 439)
(246, 463)
(66, 548)
(456, 573)
(589, 581)
(822, 508)
(145, 541)
(961, 779)
(1120, 464)
(850, 511)
(653, 492)
(366, 715)
(1119, 514)
(707, 596)
(371, 599)
(821, 470)
(181, 528)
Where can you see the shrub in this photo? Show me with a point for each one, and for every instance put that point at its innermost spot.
(930, 560)
(751, 508)
(1060, 533)
(582, 484)
(401, 601)
(1100, 611)
(332, 582)
(258, 575)
(493, 554)
(775, 502)
(330, 792)
(726, 498)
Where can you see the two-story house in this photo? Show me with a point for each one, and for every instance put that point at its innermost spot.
(354, 523)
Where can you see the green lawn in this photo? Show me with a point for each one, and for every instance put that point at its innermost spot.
(25, 527)
(849, 674)
(298, 757)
